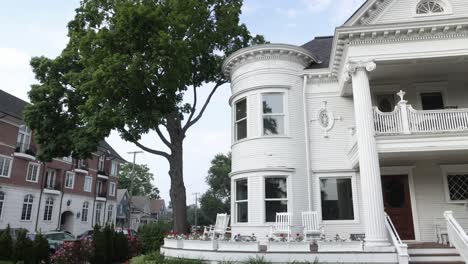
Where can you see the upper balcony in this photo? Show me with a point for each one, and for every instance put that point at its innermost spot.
(80, 166)
(25, 151)
(52, 188)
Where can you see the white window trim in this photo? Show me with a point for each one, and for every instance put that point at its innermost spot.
(11, 165)
(264, 200)
(90, 186)
(449, 169)
(32, 210)
(112, 189)
(241, 201)
(38, 172)
(87, 212)
(116, 172)
(338, 175)
(285, 113)
(447, 9)
(110, 208)
(246, 118)
(101, 160)
(73, 181)
(52, 213)
(2, 212)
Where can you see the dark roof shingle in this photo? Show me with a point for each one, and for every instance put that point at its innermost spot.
(321, 47)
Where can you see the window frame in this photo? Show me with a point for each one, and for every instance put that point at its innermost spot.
(114, 169)
(265, 200)
(101, 163)
(73, 181)
(283, 114)
(246, 119)
(236, 202)
(38, 172)
(110, 210)
(90, 178)
(97, 212)
(10, 160)
(25, 206)
(26, 133)
(48, 210)
(445, 5)
(446, 171)
(112, 190)
(83, 209)
(345, 175)
(2, 203)
(54, 178)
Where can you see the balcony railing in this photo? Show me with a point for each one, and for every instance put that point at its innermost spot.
(406, 120)
(56, 186)
(81, 165)
(102, 194)
(25, 148)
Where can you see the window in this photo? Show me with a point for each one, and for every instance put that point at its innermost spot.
(69, 180)
(385, 102)
(242, 211)
(110, 213)
(98, 213)
(114, 168)
(276, 197)
(429, 7)
(2, 200)
(432, 101)
(101, 163)
(50, 179)
(33, 172)
(98, 187)
(111, 188)
(456, 183)
(336, 199)
(240, 110)
(24, 138)
(273, 114)
(84, 212)
(5, 166)
(88, 184)
(49, 207)
(27, 208)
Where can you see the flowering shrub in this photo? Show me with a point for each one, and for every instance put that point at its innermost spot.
(175, 235)
(298, 238)
(69, 253)
(239, 238)
(280, 238)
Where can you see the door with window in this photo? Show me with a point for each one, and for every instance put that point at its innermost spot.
(50, 179)
(397, 203)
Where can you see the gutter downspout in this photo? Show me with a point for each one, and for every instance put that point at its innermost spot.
(307, 143)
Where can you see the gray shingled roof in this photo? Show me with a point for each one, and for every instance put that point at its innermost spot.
(321, 47)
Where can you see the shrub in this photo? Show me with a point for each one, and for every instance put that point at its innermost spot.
(23, 248)
(156, 258)
(68, 253)
(41, 250)
(121, 247)
(152, 236)
(6, 244)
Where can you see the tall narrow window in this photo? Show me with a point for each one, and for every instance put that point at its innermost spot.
(276, 197)
(98, 213)
(50, 179)
(337, 199)
(24, 138)
(240, 129)
(33, 172)
(27, 208)
(110, 213)
(99, 187)
(2, 200)
(114, 168)
(88, 183)
(101, 163)
(69, 180)
(84, 212)
(5, 166)
(273, 114)
(48, 209)
(111, 188)
(242, 201)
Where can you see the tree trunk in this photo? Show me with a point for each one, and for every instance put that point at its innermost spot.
(177, 192)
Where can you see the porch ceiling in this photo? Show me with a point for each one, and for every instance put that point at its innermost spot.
(407, 159)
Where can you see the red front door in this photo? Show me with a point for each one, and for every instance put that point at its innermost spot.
(397, 202)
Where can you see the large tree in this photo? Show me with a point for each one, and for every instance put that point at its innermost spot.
(138, 180)
(127, 66)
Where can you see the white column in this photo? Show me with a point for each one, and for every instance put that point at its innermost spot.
(371, 186)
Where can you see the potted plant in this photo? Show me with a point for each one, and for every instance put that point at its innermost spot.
(340, 245)
(173, 240)
(281, 244)
(199, 242)
(240, 243)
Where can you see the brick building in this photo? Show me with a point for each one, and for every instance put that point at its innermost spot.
(65, 194)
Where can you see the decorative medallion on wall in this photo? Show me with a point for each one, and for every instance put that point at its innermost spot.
(326, 119)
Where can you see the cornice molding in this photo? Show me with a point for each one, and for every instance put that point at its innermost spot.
(268, 52)
(268, 169)
(259, 87)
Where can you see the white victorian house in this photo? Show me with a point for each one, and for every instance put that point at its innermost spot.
(368, 122)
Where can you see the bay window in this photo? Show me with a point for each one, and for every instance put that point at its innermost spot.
(276, 197)
(241, 201)
(240, 110)
(273, 114)
(337, 199)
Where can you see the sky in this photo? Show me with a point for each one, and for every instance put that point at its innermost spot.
(31, 28)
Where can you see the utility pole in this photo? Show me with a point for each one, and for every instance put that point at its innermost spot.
(131, 186)
(196, 209)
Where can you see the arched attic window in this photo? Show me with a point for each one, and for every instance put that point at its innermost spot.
(427, 7)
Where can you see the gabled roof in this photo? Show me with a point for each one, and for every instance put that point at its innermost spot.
(120, 194)
(157, 206)
(358, 13)
(321, 47)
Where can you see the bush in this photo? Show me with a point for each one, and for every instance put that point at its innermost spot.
(41, 250)
(152, 236)
(156, 258)
(121, 248)
(6, 244)
(23, 248)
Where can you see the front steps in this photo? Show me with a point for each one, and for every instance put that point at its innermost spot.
(433, 253)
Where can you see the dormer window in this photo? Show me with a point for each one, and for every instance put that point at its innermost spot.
(427, 7)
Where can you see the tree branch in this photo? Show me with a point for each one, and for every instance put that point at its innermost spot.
(162, 137)
(194, 105)
(195, 120)
(152, 151)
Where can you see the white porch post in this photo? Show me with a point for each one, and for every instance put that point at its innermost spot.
(371, 188)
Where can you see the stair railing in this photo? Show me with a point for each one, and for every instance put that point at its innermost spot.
(401, 248)
(457, 236)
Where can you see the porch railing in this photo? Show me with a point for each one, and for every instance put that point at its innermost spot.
(406, 120)
(457, 236)
(401, 248)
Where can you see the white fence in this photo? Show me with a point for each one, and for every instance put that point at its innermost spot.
(457, 236)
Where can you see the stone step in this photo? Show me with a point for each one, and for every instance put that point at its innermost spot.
(435, 258)
(416, 251)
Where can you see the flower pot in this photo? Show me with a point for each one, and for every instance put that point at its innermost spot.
(274, 246)
(200, 244)
(339, 246)
(173, 243)
(253, 246)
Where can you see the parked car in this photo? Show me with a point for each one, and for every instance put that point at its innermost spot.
(130, 233)
(86, 235)
(55, 238)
